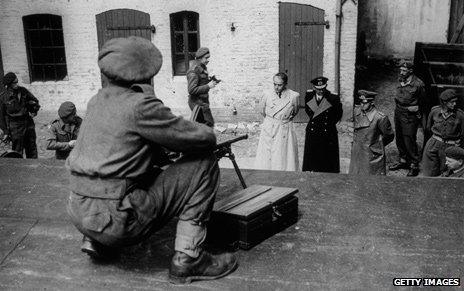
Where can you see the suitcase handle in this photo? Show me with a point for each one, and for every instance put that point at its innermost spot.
(275, 213)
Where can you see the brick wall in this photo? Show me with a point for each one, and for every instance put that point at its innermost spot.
(245, 59)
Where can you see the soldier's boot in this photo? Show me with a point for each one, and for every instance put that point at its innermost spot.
(398, 166)
(413, 171)
(96, 250)
(185, 269)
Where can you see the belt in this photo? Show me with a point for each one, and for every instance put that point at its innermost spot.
(455, 142)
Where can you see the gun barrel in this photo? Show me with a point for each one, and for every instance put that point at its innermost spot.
(231, 141)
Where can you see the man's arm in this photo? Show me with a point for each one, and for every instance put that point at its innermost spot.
(3, 116)
(193, 88)
(156, 123)
(53, 144)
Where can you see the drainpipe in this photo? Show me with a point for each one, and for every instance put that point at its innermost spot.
(338, 38)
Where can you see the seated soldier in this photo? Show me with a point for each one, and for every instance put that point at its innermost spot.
(454, 162)
(62, 133)
(119, 195)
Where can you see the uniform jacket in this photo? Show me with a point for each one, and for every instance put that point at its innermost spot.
(372, 132)
(451, 174)
(449, 128)
(59, 136)
(121, 139)
(277, 146)
(412, 94)
(321, 144)
(198, 79)
(14, 109)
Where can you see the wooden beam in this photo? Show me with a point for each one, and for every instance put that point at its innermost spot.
(458, 31)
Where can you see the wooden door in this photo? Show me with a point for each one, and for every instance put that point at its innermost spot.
(456, 22)
(301, 47)
(123, 23)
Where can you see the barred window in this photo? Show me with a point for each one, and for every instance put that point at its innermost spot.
(45, 47)
(185, 40)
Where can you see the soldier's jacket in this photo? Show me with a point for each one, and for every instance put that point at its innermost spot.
(449, 128)
(121, 138)
(59, 136)
(372, 132)
(198, 79)
(413, 94)
(15, 106)
(451, 174)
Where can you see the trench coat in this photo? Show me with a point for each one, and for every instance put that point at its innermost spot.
(372, 132)
(277, 146)
(321, 141)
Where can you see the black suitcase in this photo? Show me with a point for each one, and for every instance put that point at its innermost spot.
(247, 217)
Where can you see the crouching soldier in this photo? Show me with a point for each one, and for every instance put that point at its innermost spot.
(119, 195)
(454, 162)
(372, 133)
(445, 124)
(63, 131)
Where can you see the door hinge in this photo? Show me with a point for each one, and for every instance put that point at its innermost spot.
(309, 23)
(152, 28)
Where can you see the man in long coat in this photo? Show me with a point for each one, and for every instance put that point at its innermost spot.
(324, 109)
(119, 194)
(372, 132)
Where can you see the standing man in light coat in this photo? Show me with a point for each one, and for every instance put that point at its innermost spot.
(278, 147)
(372, 133)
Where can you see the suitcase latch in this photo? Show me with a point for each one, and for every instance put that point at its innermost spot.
(275, 213)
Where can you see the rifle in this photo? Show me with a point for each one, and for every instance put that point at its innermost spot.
(224, 149)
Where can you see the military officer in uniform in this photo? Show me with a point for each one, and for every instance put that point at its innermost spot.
(321, 144)
(199, 85)
(454, 162)
(445, 124)
(119, 194)
(372, 133)
(62, 133)
(18, 107)
(410, 96)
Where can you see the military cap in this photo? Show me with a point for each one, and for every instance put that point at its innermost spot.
(66, 108)
(455, 152)
(319, 82)
(130, 60)
(365, 95)
(406, 64)
(201, 52)
(9, 78)
(447, 95)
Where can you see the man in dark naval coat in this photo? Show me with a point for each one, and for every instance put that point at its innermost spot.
(199, 85)
(321, 144)
(120, 194)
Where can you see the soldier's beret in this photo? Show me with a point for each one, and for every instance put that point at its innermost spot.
(9, 78)
(367, 95)
(455, 152)
(130, 60)
(201, 52)
(406, 64)
(319, 82)
(66, 108)
(447, 95)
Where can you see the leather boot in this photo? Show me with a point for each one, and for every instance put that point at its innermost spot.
(413, 172)
(398, 166)
(95, 249)
(185, 269)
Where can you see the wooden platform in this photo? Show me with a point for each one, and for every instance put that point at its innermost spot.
(353, 233)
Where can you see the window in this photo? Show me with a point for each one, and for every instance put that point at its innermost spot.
(185, 40)
(45, 47)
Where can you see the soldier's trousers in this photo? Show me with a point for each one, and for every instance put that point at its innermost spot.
(201, 113)
(23, 137)
(406, 125)
(433, 160)
(186, 189)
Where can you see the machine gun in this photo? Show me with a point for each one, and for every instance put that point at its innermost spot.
(224, 149)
